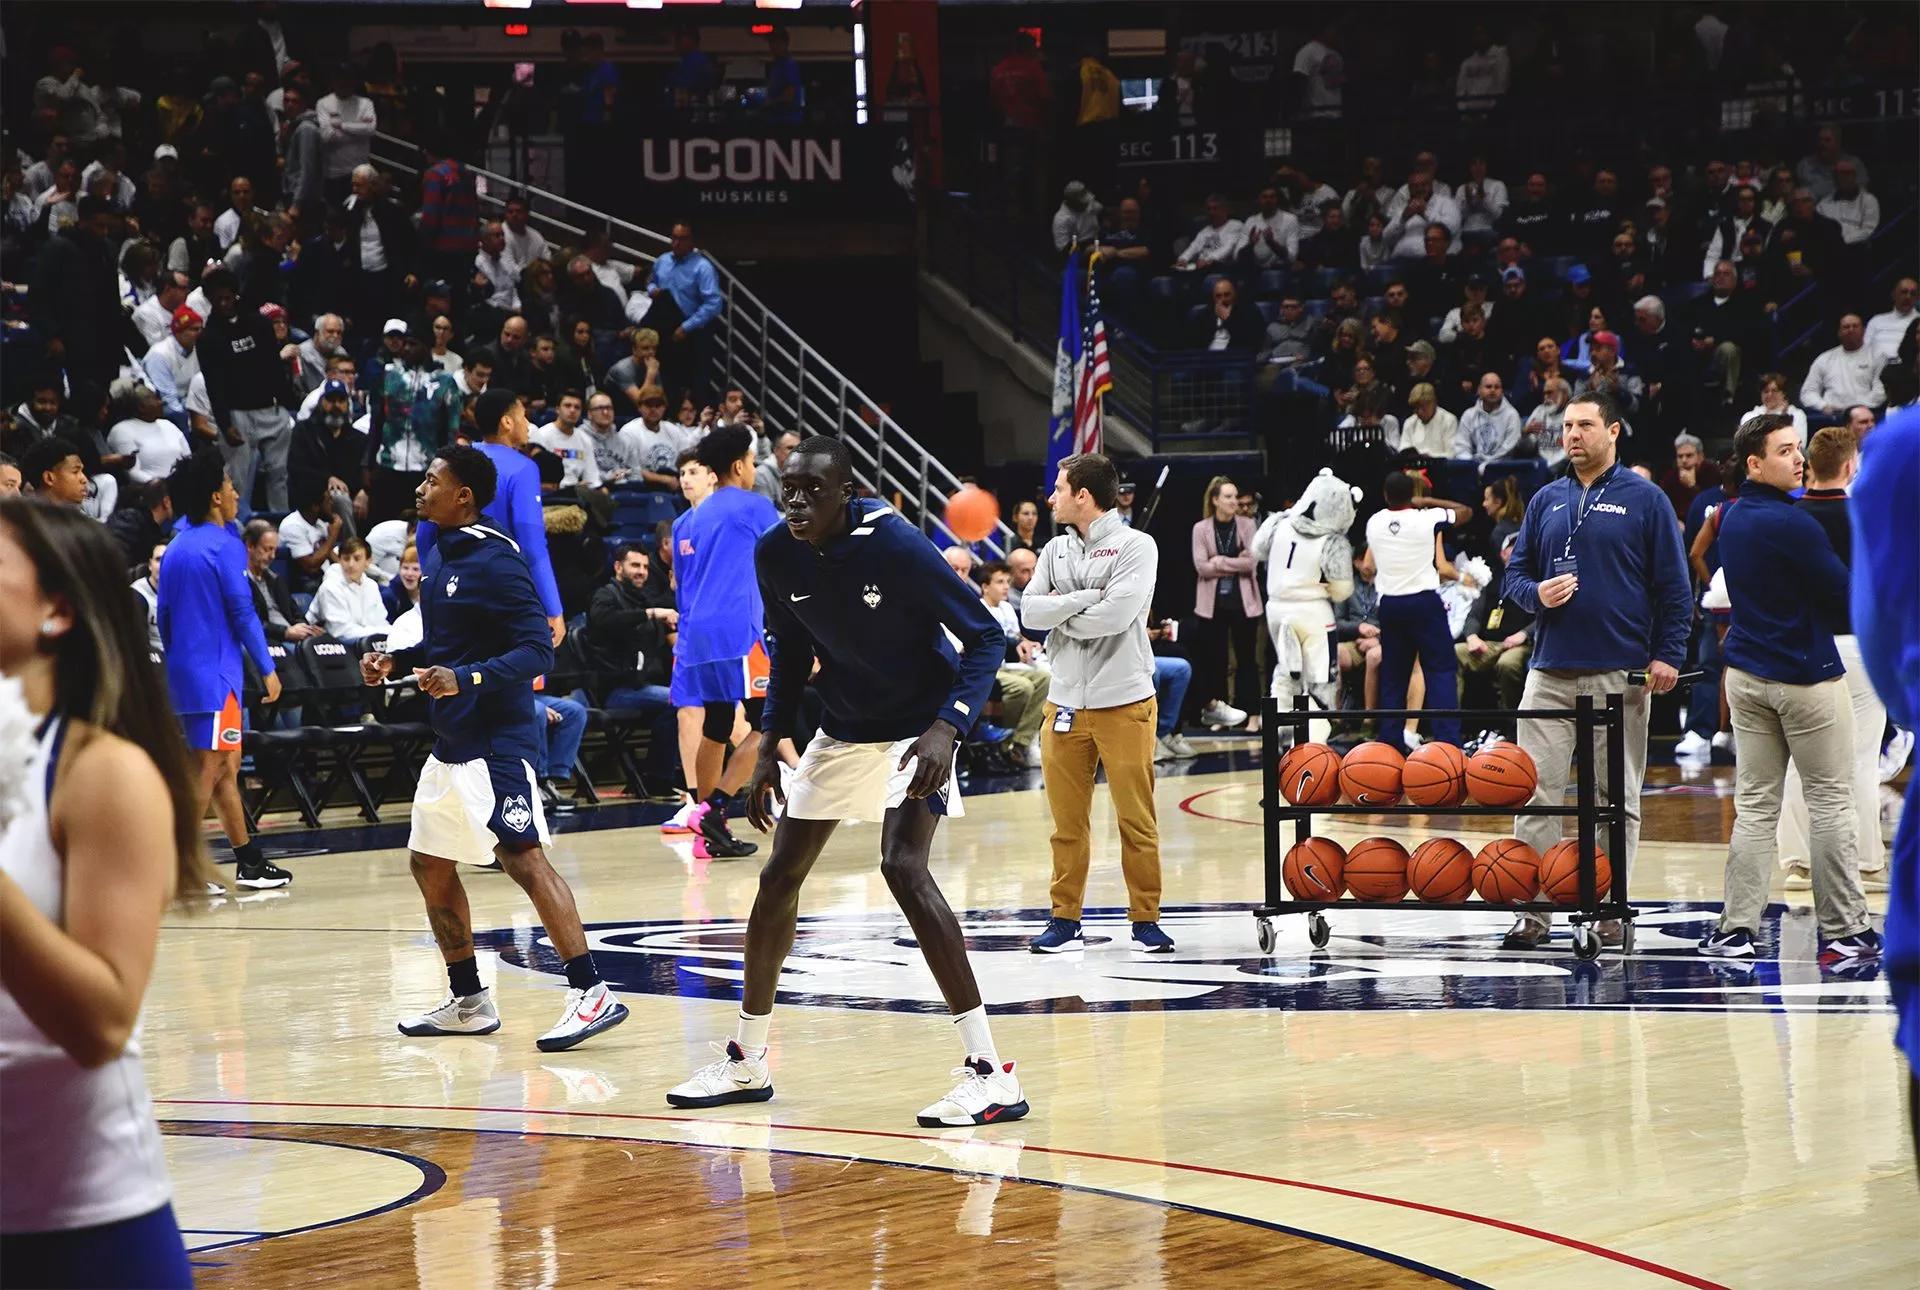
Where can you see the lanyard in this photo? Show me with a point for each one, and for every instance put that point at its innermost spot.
(1580, 514)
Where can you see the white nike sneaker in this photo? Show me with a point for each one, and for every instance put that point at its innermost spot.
(472, 1014)
(736, 1077)
(588, 1012)
(1893, 758)
(983, 1096)
(1691, 745)
(682, 819)
(1221, 714)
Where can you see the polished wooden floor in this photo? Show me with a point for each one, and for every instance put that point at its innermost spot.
(1406, 1106)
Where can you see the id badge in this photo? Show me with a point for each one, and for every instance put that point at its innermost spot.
(1062, 720)
(1564, 565)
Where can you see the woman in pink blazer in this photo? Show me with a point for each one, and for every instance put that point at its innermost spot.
(1226, 605)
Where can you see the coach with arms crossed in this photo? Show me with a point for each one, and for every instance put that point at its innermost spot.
(1598, 560)
(1090, 591)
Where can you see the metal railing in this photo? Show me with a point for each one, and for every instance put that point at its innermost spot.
(754, 348)
(1186, 395)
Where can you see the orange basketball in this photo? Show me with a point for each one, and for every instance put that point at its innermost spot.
(1506, 870)
(1370, 775)
(971, 513)
(1502, 775)
(1440, 870)
(1377, 870)
(1560, 873)
(1313, 869)
(1436, 775)
(1310, 775)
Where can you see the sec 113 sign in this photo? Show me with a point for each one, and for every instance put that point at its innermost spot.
(1173, 148)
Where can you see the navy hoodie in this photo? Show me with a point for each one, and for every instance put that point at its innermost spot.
(1788, 588)
(1635, 602)
(482, 618)
(870, 605)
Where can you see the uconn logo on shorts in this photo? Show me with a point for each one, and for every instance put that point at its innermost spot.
(516, 813)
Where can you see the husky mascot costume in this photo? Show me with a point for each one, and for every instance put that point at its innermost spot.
(1309, 566)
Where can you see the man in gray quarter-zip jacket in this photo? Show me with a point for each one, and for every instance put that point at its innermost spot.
(1090, 593)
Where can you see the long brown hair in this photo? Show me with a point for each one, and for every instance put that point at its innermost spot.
(1506, 492)
(1214, 486)
(104, 674)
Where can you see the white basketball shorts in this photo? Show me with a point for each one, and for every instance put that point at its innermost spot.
(841, 781)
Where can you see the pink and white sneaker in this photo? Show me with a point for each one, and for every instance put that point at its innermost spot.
(683, 820)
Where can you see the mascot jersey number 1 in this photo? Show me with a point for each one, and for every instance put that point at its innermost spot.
(1309, 566)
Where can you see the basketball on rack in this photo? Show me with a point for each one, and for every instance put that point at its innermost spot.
(1370, 775)
(1560, 873)
(971, 513)
(1435, 775)
(1441, 870)
(1377, 869)
(1310, 775)
(1502, 774)
(1506, 870)
(1314, 869)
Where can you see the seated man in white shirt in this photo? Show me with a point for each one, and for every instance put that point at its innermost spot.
(348, 605)
(657, 442)
(308, 535)
(496, 274)
(1851, 206)
(144, 434)
(1843, 376)
(1885, 331)
(154, 315)
(1217, 243)
(1407, 219)
(1272, 235)
(525, 243)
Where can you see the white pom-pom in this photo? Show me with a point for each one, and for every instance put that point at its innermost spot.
(17, 748)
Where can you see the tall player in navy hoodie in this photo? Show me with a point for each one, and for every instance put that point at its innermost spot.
(848, 582)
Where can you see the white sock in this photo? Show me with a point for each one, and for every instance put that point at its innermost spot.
(975, 1036)
(751, 1034)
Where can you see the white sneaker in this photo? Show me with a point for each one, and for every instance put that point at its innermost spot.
(1692, 745)
(215, 889)
(1163, 749)
(1723, 742)
(1181, 748)
(682, 820)
(588, 1012)
(736, 1077)
(472, 1015)
(1222, 714)
(983, 1096)
(1799, 878)
(1894, 756)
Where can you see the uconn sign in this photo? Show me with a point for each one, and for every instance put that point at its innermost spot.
(743, 171)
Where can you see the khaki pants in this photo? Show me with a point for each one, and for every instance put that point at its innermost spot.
(1121, 740)
(1023, 702)
(1509, 668)
(1550, 744)
(1813, 724)
(1869, 718)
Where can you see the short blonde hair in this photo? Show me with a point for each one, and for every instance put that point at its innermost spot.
(1420, 394)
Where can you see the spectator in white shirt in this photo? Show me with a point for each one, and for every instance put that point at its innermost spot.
(1308, 197)
(524, 242)
(564, 439)
(1816, 171)
(1430, 429)
(1773, 398)
(1272, 235)
(347, 123)
(172, 365)
(657, 442)
(1374, 250)
(1407, 220)
(348, 605)
(1217, 243)
(615, 275)
(495, 272)
(1852, 207)
(1731, 228)
(144, 434)
(154, 316)
(1078, 218)
(233, 221)
(1482, 200)
(1843, 376)
(1490, 429)
(1546, 422)
(1886, 331)
(1320, 75)
(1484, 73)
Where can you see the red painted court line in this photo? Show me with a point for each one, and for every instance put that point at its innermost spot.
(1189, 808)
(1519, 1229)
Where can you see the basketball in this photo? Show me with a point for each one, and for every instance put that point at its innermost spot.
(1441, 870)
(1501, 775)
(971, 513)
(1560, 873)
(1310, 775)
(1377, 870)
(1436, 775)
(1313, 869)
(1370, 775)
(1506, 870)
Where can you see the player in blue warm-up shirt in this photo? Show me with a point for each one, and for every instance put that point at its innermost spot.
(719, 662)
(483, 642)
(851, 585)
(208, 629)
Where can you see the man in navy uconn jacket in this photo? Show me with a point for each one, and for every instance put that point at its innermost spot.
(484, 639)
(852, 585)
(1598, 561)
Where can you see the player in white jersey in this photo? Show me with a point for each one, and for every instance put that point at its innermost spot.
(1309, 563)
(99, 830)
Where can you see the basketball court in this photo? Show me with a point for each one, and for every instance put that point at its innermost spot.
(1408, 1106)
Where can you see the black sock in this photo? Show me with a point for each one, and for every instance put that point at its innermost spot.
(581, 973)
(717, 799)
(464, 976)
(248, 854)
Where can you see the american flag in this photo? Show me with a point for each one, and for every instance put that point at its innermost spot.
(1081, 373)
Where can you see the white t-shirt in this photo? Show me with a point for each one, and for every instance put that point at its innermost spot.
(197, 400)
(300, 539)
(575, 452)
(153, 320)
(154, 445)
(1007, 616)
(1326, 73)
(658, 448)
(526, 247)
(1402, 546)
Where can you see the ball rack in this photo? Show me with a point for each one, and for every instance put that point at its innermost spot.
(1589, 718)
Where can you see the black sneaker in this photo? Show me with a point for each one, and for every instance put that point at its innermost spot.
(1861, 945)
(712, 840)
(1736, 944)
(261, 876)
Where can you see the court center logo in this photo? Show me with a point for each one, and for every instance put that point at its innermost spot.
(1394, 960)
